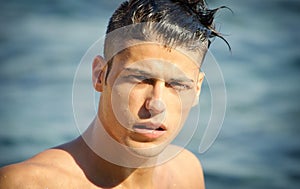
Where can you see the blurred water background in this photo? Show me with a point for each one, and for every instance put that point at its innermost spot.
(42, 42)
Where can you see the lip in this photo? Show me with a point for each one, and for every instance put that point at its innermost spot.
(149, 130)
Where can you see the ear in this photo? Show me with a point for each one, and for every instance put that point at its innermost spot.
(198, 87)
(98, 73)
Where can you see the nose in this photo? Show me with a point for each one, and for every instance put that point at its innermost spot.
(155, 104)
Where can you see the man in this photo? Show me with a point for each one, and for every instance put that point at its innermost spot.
(149, 80)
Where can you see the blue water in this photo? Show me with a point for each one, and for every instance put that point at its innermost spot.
(42, 42)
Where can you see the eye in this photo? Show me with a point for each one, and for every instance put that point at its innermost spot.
(179, 86)
(149, 81)
(140, 79)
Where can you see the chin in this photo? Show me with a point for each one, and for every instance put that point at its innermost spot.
(146, 150)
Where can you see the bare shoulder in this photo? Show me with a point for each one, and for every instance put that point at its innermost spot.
(43, 170)
(187, 170)
(190, 162)
(21, 175)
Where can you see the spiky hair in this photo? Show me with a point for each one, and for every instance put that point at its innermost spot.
(187, 23)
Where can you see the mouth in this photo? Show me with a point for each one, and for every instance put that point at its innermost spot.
(150, 131)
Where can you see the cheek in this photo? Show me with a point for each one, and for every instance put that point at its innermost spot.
(174, 111)
(178, 107)
(137, 98)
(187, 101)
(173, 103)
(120, 103)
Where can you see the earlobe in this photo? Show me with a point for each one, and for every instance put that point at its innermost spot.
(98, 73)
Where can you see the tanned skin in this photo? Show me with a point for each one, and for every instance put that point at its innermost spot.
(76, 165)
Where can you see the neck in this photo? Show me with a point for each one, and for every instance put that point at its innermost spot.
(112, 151)
(126, 177)
(110, 164)
(113, 164)
(105, 174)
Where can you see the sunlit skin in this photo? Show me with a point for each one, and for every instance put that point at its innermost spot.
(148, 94)
(160, 87)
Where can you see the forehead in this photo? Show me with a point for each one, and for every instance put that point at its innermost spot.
(156, 58)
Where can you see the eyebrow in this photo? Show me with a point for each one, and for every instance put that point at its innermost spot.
(149, 75)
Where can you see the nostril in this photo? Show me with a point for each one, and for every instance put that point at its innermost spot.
(155, 105)
(144, 113)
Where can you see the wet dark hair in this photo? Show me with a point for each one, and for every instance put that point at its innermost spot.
(185, 23)
(178, 22)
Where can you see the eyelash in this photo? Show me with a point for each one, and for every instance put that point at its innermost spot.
(178, 86)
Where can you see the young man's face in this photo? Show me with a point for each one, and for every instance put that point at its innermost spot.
(149, 93)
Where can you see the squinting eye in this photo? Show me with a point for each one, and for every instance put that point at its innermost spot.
(135, 78)
(148, 81)
(140, 79)
(179, 86)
